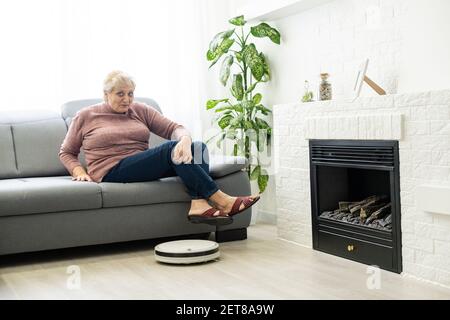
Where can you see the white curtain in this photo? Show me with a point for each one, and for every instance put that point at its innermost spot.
(54, 51)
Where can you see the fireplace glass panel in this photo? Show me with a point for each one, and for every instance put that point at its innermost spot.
(339, 187)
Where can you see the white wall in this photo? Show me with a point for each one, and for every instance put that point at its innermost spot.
(426, 46)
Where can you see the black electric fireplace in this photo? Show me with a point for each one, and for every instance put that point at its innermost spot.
(355, 200)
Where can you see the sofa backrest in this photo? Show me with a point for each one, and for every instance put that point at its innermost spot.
(29, 144)
(70, 109)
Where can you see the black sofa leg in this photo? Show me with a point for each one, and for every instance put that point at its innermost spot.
(231, 235)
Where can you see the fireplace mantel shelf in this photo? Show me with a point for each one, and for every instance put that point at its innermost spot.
(439, 97)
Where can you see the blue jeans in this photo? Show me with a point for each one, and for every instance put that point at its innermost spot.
(157, 163)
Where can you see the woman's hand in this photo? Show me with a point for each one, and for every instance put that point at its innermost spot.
(79, 174)
(182, 152)
(82, 177)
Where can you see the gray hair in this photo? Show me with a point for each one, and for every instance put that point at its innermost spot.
(115, 79)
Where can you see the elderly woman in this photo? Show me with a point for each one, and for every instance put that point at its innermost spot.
(114, 136)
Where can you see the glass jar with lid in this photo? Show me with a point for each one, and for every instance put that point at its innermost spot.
(325, 92)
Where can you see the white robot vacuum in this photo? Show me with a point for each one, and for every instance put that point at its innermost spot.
(187, 251)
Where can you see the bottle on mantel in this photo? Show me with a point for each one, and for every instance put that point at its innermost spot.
(325, 92)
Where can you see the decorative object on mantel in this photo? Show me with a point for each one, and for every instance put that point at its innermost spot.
(325, 92)
(308, 94)
(242, 119)
(361, 77)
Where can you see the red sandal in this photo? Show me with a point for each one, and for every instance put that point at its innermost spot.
(247, 201)
(208, 217)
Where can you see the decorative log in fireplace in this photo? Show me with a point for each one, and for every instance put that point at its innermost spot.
(373, 212)
(355, 200)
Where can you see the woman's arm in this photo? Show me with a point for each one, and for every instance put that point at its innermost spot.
(179, 133)
(162, 126)
(169, 129)
(70, 148)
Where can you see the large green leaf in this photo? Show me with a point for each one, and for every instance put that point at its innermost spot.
(237, 88)
(266, 67)
(265, 111)
(212, 103)
(210, 55)
(254, 61)
(257, 68)
(248, 125)
(248, 52)
(262, 124)
(257, 98)
(255, 173)
(251, 88)
(218, 39)
(225, 121)
(262, 182)
(236, 107)
(264, 30)
(238, 56)
(225, 70)
(220, 50)
(237, 21)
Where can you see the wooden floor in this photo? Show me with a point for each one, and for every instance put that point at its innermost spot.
(261, 267)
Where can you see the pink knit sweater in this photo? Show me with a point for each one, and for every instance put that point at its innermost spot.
(107, 136)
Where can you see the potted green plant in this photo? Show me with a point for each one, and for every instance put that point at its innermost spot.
(241, 116)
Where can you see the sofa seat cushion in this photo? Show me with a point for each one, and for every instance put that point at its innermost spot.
(142, 193)
(49, 194)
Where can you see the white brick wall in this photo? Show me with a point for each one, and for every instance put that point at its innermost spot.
(421, 123)
(335, 38)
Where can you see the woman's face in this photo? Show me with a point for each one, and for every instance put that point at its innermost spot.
(120, 98)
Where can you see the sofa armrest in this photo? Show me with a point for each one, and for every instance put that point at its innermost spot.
(220, 165)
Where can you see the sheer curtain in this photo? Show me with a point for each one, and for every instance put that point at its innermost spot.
(60, 50)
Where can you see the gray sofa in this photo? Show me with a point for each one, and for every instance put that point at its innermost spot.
(41, 208)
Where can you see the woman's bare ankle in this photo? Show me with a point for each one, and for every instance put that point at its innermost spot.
(199, 203)
(199, 206)
(220, 199)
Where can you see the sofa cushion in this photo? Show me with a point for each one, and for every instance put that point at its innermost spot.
(141, 193)
(51, 194)
(29, 143)
(8, 167)
(37, 145)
